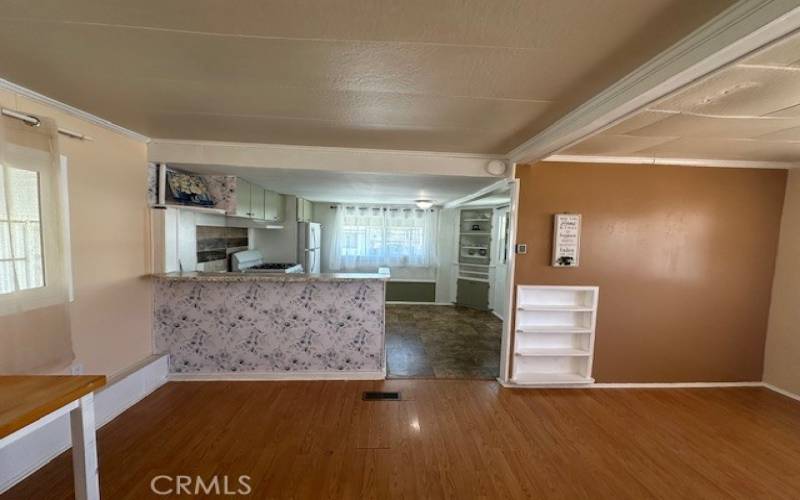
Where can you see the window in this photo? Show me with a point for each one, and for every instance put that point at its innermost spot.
(21, 261)
(34, 230)
(366, 238)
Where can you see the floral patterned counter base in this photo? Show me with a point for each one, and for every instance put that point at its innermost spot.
(293, 327)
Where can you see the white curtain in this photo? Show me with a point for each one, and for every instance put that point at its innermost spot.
(34, 310)
(367, 237)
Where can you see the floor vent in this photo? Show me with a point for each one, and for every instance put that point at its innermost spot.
(380, 396)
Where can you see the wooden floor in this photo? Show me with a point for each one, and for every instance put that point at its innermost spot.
(448, 439)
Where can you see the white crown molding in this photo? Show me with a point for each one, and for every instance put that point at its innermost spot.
(681, 162)
(70, 110)
(183, 152)
(736, 32)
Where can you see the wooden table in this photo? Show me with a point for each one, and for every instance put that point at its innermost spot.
(28, 402)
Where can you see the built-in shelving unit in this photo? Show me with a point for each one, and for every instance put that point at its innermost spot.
(554, 335)
(474, 257)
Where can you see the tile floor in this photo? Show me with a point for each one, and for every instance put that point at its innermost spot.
(442, 342)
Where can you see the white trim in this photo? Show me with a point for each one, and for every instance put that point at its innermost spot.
(508, 322)
(736, 32)
(317, 158)
(70, 110)
(672, 385)
(411, 303)
(683, 162)
(477, 194)
(636, 385)
(277, 376)
(24, 457)
(783, 392)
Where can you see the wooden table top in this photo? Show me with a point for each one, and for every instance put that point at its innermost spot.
(24, 399)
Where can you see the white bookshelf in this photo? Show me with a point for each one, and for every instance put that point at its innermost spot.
(554, 335)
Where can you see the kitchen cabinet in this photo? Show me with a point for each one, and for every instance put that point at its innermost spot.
(304, 209)
(274, 209)
(243, 198)
(258, 196)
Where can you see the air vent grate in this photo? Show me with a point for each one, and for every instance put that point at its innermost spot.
(380, 396)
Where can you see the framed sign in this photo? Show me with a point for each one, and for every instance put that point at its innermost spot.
(566, 240)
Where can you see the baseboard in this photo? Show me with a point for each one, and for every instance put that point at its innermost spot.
(672, 385)
(498, 316)
(277, 376)
(783, 392)
(638, 385)
(25, 456)
(407, 303)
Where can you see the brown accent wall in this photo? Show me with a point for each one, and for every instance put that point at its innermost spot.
(684, 258)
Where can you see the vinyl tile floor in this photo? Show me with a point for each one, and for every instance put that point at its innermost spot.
(442, 342)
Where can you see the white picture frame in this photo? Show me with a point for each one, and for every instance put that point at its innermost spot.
(566, 240)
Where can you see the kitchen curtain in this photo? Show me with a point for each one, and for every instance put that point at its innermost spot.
(34, 269)
(367, 237)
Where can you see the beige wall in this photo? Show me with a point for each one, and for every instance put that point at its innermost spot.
(782, 359)
(111, 315)
(684, 258)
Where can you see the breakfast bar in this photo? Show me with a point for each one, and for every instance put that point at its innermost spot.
(291, 325)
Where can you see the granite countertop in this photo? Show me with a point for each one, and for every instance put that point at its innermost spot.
(276, 277)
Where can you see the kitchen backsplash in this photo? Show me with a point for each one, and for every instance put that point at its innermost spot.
(215, 244)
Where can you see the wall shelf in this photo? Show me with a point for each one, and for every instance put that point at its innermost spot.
(547, 379)
(554, 335)
(554, 307)
(535, 351)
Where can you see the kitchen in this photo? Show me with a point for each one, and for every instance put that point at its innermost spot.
(253, 282)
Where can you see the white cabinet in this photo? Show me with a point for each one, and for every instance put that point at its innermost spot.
(304, 210)
(243, 198)
(274, 210)
(554, 335)
(258, 199)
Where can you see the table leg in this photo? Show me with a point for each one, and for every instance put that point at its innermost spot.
(84, 450)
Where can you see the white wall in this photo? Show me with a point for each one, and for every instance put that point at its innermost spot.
(446, 272)
(782, 351)
(279, 245)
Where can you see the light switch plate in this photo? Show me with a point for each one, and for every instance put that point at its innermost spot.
(522, 248)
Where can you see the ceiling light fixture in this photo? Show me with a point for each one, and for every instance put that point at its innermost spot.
(424, 204)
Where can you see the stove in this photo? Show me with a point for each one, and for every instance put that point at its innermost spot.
(251, 261)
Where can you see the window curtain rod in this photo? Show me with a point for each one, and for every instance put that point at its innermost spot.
(34, 122)
(394, 209)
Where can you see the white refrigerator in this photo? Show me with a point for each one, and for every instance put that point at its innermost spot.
(309, 238)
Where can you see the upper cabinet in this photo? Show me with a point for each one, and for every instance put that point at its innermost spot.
(304, 209)
(243, 199)
(248, 200)
(258, 197)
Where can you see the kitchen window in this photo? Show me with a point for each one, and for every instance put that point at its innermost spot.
(367, 237)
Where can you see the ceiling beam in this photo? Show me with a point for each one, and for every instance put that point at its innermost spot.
(497, 186)
(744, 27)
(384, 161)
(682, 162)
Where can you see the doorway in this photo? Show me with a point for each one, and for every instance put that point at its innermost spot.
(460, 335)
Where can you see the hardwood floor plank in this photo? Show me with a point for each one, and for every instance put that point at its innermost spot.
(447, 439)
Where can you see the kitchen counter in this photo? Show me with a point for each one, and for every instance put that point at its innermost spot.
(266, 277)
(271, 325)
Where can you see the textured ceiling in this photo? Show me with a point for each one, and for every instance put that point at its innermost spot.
(447, 75)
(347, 187)
(748, 111)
